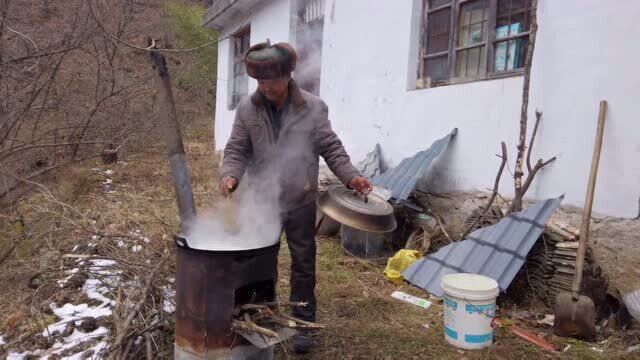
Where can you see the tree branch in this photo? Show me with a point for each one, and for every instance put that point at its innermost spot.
(533, 138)
(539, 165)
(493, 195)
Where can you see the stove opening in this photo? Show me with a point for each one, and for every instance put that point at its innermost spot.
(256, 293)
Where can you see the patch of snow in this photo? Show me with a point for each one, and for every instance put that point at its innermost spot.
(108, 181)
(595, 349)
(63, 282)
(121, 243)
(103, 262)
(96, 349)
(75, 248)
(136, 248)
(2, 341)
(168, 302)
(93, 288)
(108, 172)
(68, 311)
(146, 239)
(100, 347)
(22, 356)
(95, 341)
(76, 338)
(17, 356)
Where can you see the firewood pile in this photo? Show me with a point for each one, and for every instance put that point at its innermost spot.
(551, 266)
(265, 319)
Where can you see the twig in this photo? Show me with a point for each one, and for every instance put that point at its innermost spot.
(493, 194)
(136, 308)
(440, 223)
(28, 38)
(147, 342)
(8, 252)
(152, 49)
(286, 303)
(248, 325)
(42, 172)
(307, 324)
(533, 138)
(125, 352)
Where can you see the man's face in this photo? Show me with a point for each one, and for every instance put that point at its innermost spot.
(274, 89)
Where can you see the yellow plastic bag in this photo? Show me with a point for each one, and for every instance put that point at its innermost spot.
(400, 261)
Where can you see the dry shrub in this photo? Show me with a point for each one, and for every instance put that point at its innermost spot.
(76, 183)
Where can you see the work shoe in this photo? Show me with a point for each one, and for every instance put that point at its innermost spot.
(304, 341)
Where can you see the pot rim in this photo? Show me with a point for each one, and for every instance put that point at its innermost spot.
(181, 243)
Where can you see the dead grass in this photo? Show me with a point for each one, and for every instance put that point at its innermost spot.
(363, 321)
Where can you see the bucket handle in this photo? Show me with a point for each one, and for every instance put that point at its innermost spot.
(479, 310)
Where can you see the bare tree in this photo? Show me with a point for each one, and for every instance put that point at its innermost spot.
(520, 187)
(65, 92)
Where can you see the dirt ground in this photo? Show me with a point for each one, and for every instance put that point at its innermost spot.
(362, 320)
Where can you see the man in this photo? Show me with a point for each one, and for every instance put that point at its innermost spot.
(278, 134)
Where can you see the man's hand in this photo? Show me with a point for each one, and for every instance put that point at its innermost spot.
(361, 185)
(227, 185)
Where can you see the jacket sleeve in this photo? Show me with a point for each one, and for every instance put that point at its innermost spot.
(331, 149)
(237, 151)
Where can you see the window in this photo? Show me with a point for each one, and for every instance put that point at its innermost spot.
(240, 44)
(465, 40)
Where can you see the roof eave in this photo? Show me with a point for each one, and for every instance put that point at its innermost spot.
(223, 12)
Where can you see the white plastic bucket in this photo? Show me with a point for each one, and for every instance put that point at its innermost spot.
(469, 308)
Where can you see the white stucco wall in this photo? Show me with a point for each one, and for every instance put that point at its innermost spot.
(581, 56)
(584, 53)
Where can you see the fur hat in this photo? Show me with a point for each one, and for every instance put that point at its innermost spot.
(266, 61)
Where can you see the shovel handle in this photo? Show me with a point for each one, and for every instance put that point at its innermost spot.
(588, 202)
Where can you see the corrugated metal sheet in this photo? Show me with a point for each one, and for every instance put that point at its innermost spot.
(370, 166)
(402, 179)
(496, 251)
(632, 300)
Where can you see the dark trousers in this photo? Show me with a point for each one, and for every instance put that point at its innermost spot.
(299, 227)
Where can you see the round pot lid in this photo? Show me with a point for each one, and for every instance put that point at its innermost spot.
(371, 213)
(382, 192)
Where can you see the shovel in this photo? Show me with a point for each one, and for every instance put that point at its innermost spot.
(575, 313)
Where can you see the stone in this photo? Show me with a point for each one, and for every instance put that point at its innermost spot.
(88, 324)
